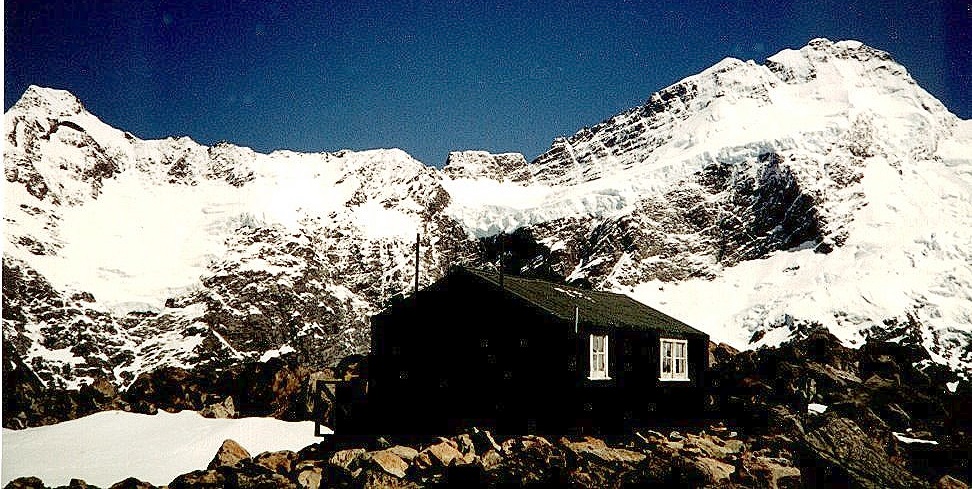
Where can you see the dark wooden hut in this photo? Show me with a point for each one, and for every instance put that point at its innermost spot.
(518, 355)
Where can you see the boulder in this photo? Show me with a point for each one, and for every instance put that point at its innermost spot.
(25, 483)
(529, 460)
(768, 473)
(344, 463)
(309, 477)
(836, 451)
(593, 448)
(441, 454)
(78, 484)
(949, 482)
(199, 479)
(490, 460)
(375, 478)
(281, 462)
(467, 447)
(229, 453)
(483, 441)
(386, 460)
(222, 409)
(406, 453)
(248, 474)
(132, 483)
(707, 471)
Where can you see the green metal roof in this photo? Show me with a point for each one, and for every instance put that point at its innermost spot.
(596, 307)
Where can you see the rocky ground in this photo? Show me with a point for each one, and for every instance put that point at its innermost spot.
(768, 429)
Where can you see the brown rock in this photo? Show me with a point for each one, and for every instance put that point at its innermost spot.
(309, 477)
(229, 453)
(709, 471)
(25, 483)
(388, 461)
(374, 478)
(406, 453)
(248, 474)
(441, 454)
(465, 445)
(768, 473)
(78, 484)
(132, 483)
(483, 441)
(490, 460)
(199, 479)
(593, 448)
(281, 462)
(949, 482)
(224, 409)
(345, 461)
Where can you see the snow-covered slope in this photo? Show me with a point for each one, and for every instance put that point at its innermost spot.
(823, 188)
(123, 255)
(108, 447)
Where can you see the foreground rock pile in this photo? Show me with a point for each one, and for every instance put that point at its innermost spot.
(716, 457)
(477, 459)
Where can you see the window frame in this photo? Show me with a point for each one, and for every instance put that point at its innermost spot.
(598, 374)
(673, 376)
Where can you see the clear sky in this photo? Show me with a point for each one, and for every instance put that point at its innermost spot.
(430, 76)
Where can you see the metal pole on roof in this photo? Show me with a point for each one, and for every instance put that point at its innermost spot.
(502, 259)
(417, 245)
(576, 318)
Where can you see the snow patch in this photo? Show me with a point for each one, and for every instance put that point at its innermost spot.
(108, 447)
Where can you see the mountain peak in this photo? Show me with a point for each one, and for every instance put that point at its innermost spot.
(58, 103)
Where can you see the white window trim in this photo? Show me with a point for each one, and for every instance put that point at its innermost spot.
(672, 376)
(597, 374)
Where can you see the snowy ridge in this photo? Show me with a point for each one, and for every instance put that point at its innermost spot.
(824, 188)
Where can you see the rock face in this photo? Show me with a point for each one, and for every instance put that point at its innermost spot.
(505, 167)
(804, 182)
(230, 453)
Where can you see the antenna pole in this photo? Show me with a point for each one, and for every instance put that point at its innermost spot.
(502, 260)
(418, 237)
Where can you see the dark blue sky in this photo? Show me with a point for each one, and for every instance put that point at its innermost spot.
(430, 76)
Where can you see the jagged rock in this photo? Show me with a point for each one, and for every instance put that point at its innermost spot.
(229, 453)
(309, 477)
(529, 460)
(483, 441)
(199, 479)
(441, 454)
(490, 460)
(593, 448)
(764, 472)
(375, 478)
(386, 460)
(223, 409)
(247, 474)
(132, 483)
(708, 471)
(25, 483)
(78, 484)
(843, 453)
(345, 462)
(949, 482)
(405, 453)
(281, 462)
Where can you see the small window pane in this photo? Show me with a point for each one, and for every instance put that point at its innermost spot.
(666, 365)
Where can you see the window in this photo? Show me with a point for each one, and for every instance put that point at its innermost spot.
(674, 359)
(599, 357)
